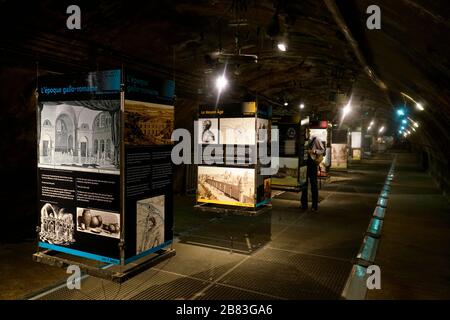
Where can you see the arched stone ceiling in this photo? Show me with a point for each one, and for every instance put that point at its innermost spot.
(181, 39)
(411, 53)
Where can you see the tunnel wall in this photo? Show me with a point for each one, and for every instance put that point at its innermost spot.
(18, 153)
(440, 173)
(409, 53)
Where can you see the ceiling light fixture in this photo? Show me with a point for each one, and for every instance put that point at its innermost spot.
(400, 112)
(221, 83)
(282, 46)
(420, 107)
(414, 123)
(347, 109)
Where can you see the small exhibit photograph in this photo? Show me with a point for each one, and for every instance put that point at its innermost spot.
(56, 225)
(148, 123)
(267, 189)
(339, 156)
(224, 185)
(356, 155)
(263, 132)
(288, 135)
(290, 147)
(287, 174)
(208, 131)
(356, 140)
(80, 136)
(303, 177)
(237, 131)
(101, 223)
(150, 223)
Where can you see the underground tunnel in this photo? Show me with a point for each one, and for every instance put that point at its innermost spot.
(225, 150)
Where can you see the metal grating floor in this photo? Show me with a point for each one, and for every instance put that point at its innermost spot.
(291, 276)
(299, 256)
(221, 292)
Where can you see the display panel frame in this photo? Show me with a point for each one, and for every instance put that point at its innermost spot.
(290, 130)
(84, 190)
(249, 115)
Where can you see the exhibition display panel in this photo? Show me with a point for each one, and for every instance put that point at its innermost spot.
(231, 140)
(339, 150)
(289, 167)
(104, 166)
(356, 144)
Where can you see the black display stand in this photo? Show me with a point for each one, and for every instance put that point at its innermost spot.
(239, 211)
(236, 185)
(230, 139)
(340, 150)
(131, 270)
(291, 173)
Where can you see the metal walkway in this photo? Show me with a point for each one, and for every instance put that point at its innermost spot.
(282, 254)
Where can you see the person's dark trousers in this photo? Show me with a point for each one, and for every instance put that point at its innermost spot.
(311, 178)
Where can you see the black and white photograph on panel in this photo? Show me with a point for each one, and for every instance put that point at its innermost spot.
(225, 185)
(290, 135)
(80, 135)
(101, 223)
(238, 131)
(150, 223)
(208, 131)
(56, 225)
(262, 130)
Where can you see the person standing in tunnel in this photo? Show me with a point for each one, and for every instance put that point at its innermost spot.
(314, 154)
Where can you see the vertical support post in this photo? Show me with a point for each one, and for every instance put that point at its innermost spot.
(122, 169)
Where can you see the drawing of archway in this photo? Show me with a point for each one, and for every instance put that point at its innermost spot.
(46, 147)
(84, 148)
(102, 132)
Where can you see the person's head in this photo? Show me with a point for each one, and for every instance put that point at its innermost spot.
(207, 125)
